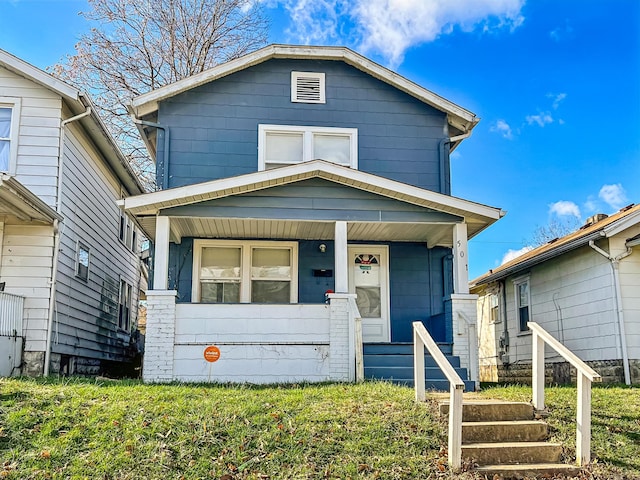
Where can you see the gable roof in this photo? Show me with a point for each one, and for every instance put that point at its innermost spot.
(477, 216)
(78, 103)
(607, 227)
(458, 117)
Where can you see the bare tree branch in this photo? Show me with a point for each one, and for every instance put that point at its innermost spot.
(140, 45)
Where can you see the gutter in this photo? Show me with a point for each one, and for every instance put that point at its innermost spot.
(441, 153)
(165, 153)
(615, 271)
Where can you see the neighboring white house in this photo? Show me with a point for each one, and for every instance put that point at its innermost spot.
(69, 263)
(583, 288)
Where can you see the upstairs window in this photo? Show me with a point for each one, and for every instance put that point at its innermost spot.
(127, 233)
(307, 87)
(494, 308)
(9, 113)
(281, 145)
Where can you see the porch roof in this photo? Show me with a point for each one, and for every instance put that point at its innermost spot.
(147, 206)
(18, 201)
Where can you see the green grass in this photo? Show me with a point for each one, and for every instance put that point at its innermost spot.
(126, 430)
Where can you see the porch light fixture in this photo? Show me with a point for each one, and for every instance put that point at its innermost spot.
(322, 248)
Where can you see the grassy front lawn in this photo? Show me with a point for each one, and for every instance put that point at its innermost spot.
(102, 429)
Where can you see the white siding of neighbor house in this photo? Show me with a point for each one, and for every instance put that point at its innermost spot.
(25, 267)
(630, 289)
(571, 298)
(258, 343)
(87, 321)
(39, 134)
(489, 334)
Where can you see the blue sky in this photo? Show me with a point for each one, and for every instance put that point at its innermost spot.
(556, 84)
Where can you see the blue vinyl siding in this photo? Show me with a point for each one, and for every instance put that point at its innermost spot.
(416, 282)
(214, 127)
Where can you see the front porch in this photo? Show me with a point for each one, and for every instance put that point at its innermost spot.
(244, 264)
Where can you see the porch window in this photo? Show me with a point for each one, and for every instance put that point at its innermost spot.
(227, 271)
(523, 302)
(281, 145)
(9, 118)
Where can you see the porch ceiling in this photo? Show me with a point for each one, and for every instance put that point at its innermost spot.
(433, 234)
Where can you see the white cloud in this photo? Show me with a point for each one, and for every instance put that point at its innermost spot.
(613, 195)
(564, 208)
(391, 27)
(557, 99)
(512, 254)
(502, 128)
(542, 119)
(560, 33)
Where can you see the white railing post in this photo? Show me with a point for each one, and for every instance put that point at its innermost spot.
(455, 425)
(537, 365)
(422, 340)
(583, 421)
(585, 375)
(418, 367)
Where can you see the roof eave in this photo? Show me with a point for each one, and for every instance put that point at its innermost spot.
(543, 257)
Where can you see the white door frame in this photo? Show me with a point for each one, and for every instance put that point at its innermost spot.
(383, 251)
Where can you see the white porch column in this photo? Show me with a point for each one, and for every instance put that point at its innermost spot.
(161, 254)
(460, 259)
(341, 258)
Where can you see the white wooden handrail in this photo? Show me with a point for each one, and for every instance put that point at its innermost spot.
(357, 320)
(585, 375)
(422, 339)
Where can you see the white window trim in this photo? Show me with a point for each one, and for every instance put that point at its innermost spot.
(88, 249)
(245, 255)
(294, 87)
(308, 132)
(516, 283)
(15, 104)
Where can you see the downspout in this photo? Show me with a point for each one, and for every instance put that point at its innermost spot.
(165, 153)
(504, 340)
(443, 142)
(615, 264)
(56, 240)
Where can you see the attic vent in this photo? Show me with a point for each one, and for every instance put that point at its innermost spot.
(307, 87)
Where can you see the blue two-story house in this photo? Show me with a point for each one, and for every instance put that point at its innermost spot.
(295, 180)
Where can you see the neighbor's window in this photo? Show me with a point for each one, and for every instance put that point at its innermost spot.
(226, 271)
(124, 310)
(83, 255)
(523, 302)
(9, 113)
(281, 145)
(494, 308)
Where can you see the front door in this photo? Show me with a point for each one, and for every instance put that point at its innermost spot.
(369, 280)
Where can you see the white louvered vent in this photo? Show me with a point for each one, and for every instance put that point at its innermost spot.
(307, 87)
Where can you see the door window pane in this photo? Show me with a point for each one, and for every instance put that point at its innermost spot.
(284, 148)
(332, 148)
(369, 302)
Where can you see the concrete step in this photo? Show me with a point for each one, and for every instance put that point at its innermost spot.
(396, 360)
(528, 471)
(491, 410)
(504, 431)
(509, 453)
